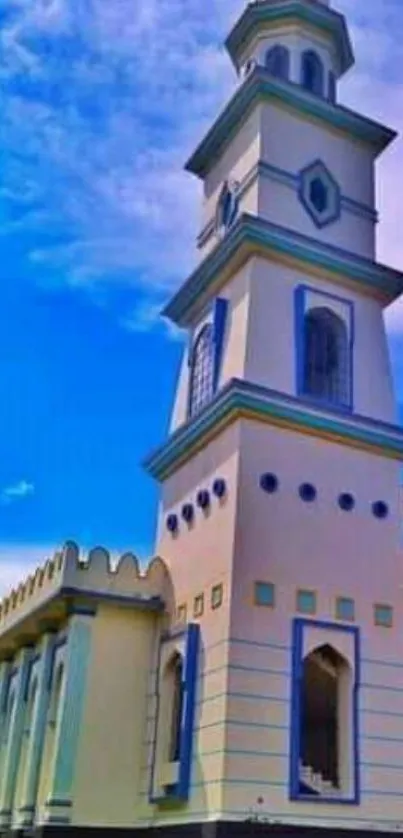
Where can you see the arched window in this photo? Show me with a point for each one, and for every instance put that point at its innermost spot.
(278, 62)
(326, 357)
(175, 674)
(312, 75)
(202, 368)
(325, 722)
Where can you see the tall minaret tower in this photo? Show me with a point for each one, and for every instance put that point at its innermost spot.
(279, 479)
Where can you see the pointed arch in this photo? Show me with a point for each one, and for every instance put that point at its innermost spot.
(326, 356)
(174, 675)
(201, 371)
(278, 61)
(312, 72)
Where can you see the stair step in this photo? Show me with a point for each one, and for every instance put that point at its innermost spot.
(315, 780)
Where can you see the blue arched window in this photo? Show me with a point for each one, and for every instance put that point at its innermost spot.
(202, 371)
(326, 357)
(312, 74)
(278, 62)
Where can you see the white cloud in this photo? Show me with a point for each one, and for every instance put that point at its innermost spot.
(102, 103)
(17, 491)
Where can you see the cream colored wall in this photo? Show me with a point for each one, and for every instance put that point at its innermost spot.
(280, 204)
(350, 162)
(316, 546)
(200, 558)
(106, 788)
(271, 353)
(241, 154)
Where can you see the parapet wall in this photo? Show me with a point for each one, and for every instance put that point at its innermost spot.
(94, 573)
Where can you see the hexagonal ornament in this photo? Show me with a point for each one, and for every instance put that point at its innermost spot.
(319, 193)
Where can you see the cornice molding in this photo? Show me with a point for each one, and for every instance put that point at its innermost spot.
(250, 236)
(261, 86)
(242, 400)
(266, 12)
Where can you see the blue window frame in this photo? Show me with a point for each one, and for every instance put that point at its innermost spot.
(205, 359)
(324, 348)
(278, 62)
(326, 356)
(182, 719)
(202, 371)
(324, 765)
(312, 73)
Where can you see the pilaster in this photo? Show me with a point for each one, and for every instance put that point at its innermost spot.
(26, 811)
(59, 801)
(14, 737)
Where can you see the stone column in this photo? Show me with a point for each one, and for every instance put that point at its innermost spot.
(26, 811)
(59, 802)
(13, 745)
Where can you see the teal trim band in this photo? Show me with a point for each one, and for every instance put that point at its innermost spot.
(251, 234)
(77, 662)
(292, 181)
(13, 747)
(241, 400)
(37, 735)
(261, 86)
(331, 23)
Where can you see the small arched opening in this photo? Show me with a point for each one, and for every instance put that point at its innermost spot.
(174, 677)
(312, 72)
(325, 720)
(278, 62)
(326, 357)
(202, 371)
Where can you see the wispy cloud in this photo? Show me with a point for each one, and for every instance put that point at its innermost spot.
(102, 102)
(17, 491)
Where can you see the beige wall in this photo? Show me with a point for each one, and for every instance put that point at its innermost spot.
(111, 750)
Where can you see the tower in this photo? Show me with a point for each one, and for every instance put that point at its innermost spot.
(279, 513)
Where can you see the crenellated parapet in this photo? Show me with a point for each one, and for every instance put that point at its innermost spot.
(69, 574)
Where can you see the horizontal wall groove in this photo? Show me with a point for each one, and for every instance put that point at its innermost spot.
(384, 687)
(246, 696)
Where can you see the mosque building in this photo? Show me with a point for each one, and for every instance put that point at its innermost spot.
(249, 681)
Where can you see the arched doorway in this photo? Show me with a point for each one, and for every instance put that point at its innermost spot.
(325, 693)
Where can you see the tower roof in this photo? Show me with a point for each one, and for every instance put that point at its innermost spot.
(261, 13)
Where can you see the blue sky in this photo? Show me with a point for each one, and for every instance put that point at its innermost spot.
(102, 102)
